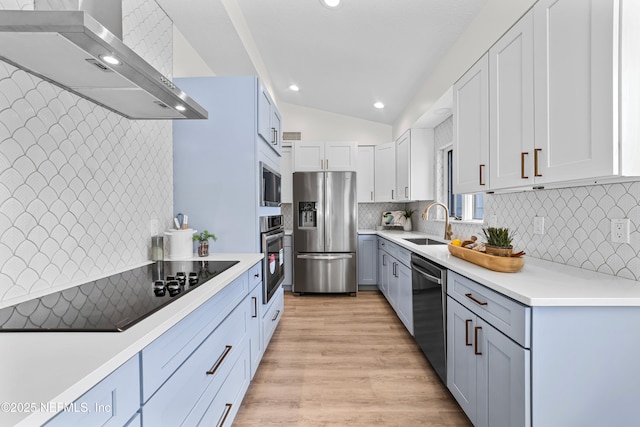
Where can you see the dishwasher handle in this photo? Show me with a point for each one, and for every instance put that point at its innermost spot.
(426, 275)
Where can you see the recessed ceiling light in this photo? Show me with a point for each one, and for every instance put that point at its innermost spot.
(112, 60)
(180, 107)
(330, 3)
(378, 105)
(294, 88)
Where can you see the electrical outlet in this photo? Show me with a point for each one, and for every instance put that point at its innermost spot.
(538, 225)
(493, 220)
(620, 230)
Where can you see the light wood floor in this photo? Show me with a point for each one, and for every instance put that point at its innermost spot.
(345, 361)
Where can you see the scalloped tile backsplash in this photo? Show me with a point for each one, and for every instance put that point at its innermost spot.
(78, 183)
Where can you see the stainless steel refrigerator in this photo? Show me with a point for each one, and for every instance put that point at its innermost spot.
(325, 232)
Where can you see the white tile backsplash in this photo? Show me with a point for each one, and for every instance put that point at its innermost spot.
(78, 183)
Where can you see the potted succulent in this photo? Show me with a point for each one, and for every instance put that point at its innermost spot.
(407, 217)
(498, 241)
(203, 242)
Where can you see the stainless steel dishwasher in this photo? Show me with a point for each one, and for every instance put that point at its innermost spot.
(429, 283)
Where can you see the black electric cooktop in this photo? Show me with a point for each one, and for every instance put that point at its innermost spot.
(111, 304)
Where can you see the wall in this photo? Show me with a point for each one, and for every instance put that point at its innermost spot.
(78, 183)
(318, 125)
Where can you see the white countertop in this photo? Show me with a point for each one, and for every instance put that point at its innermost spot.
(58, 367)
(539, 283)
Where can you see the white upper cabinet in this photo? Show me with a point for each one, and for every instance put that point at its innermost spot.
(269, 121)
(415, 165)
(313, 156)
(366, 173)
(511, 142)
(385, 166)
(471, 129)
(576, 68)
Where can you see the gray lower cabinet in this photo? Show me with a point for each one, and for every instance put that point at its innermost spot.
(394, 277)
(287, 283)
(488, 369)
(367, 259)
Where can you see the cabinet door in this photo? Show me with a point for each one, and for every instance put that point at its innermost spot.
(575, 51)
(308, 156)
(503, 375)
(286, 172)
(394, 290)
(366, 173)
(367, 259)
(288, 261)
(385, 177)
(403, 166)
(511, 101)
(341, 156)
(471, 129)
(383, 273)
(461, 360)
(264, 114)
(405, 296)
(254, 328)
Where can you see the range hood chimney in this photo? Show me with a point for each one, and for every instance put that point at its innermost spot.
(70, 48)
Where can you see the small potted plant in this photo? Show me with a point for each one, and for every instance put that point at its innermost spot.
(498, 241)
(203, 242)
(407, 219)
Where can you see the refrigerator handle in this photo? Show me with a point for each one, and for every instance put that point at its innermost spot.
(329, 257)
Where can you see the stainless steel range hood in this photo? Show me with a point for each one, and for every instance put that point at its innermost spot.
(68, 49)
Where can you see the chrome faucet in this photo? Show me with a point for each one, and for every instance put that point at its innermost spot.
(447, 227)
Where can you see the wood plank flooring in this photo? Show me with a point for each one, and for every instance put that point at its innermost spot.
(345, 361)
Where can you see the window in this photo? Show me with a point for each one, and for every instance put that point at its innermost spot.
(462, 206)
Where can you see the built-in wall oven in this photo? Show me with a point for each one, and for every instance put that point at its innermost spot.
(429, 283)
(272, 231)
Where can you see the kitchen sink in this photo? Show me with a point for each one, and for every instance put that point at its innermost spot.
(424, 241)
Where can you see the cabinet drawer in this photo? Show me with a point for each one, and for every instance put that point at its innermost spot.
(184, 398)
(162, 357)
(404, 256)
(255, 274)
(388, 247)
(112, 402)
(510, 317)
(225, 405)
(272, 317)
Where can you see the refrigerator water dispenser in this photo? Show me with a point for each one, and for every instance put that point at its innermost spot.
(307, 214)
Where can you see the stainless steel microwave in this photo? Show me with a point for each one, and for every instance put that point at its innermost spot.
(270, 189)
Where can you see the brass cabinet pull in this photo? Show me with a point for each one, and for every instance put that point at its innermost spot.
(522, 175)
(535, 161)
(321, 163)
(467, 322)
(276, 316)
(227, 410)
(224, 354)
(255, 307)
(327, 163)
(475, 344)
(481, 177)
(477, 301)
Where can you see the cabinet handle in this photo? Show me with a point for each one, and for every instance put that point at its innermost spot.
(391, 194)
(256, 275)
(406, 192)
(224, 354)
(372, 196)
(481, 178)
(274, 133)
(255, 307)
(522, 175)
(395, 269)
(321, 164)
(225, 414)
(535, 161)
(475, 344)
(384, 258)
(477, 301)
(327, 162)
(276, 316)
(467, 322)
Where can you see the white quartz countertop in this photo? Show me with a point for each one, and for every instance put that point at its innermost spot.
(59, 367)
(539, 283)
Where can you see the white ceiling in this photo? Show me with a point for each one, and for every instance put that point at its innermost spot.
(343, 59)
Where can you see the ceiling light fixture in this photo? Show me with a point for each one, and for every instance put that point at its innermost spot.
(331, 4)
(294, 88)
(378, 105)
(109, 59)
